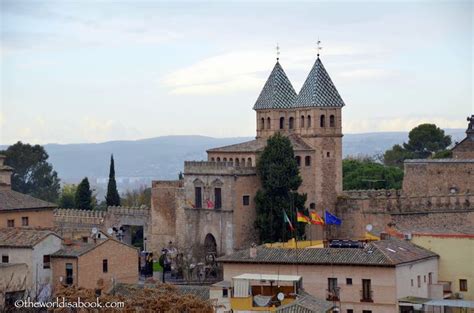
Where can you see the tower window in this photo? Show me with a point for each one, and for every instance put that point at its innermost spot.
(332, 122)
(197, 197)
(224, 159)
(243, 161)
(249, 162)
(269, 123)
(237, 161)
(218, 159)
(246, 200)
(218, 198)
(302, 121)
(298, 160)
(312, 206)
(262, 123)
(105, 266)
(282, 122)
(213, 159)
(322, 121)
(307, 160)
(309, 121)
(292, 122)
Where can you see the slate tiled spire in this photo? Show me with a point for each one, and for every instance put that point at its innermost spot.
(318, 90)
(277, 93)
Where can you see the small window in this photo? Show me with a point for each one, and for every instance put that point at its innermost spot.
(348, 281)
(246, 200)
(309, 122)
(418, 281)
(298, 160)
(225, 293)
(328, 154)
(218, 198)
(412, 282)
(282, 122)
(231, 160)
(262, 123)
(424, 278)
(85, 239)
(312, 206)
(307, 160)
(213, 159)
(332, 121)
(302, 121)
(291, 123)
(463, 285)
(366, 311)
(197, 197)
(10, 223)
(350, 311)
(69, 274)
(249, 162)
(24, 221)
(46, 261)
(105, 266)
(322, 121)
(237, 161)
(218, 159)
(5, 259)
(269, 123)
(224, 160)
(430, 278)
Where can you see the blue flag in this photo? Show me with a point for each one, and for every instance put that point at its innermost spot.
(331, 219)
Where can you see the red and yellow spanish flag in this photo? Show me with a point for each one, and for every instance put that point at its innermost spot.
(315, 218)
(301, 218)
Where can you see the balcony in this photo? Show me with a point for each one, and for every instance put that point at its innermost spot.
(366, 296)
(333, 294)
(447, 291)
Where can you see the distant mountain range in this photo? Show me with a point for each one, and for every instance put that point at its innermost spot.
(138, 162)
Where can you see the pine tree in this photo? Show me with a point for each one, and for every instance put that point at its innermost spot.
(83, 197)
(280, 179)
(112, 198)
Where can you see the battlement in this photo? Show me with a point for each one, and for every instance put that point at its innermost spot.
(373, 193)
(134, 211)
(217, 168)
(167, 183)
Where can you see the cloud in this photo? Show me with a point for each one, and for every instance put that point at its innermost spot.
(97, 130)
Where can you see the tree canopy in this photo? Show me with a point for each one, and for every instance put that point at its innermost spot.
(32, 174)
(279, 175)
(112, 198)
(368, 174)
(425, 140)
(67, 197)
(83, 198)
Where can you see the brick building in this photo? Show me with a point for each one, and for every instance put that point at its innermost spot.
(83, 264)
(20, 210)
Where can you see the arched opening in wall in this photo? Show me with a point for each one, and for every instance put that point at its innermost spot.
(243, 161)
(308, 125)
(224, 160)
(249, 162)
(307, 160)
(332, 122)
(218, 159)
(262, 123)
(237, 161)
(291, 122)
(298, 160)
(210, 244)
(312, 206)
(302, 121)
(231, 160)
(282, 122)
(269, 123)
(213, 159)
(322, 121)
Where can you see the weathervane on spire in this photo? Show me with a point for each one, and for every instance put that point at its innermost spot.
(319, 46)
(278, 52)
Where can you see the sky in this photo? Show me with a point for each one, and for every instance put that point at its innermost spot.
(94, 71)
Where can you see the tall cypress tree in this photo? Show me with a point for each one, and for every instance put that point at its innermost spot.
(83, 199)
(112, 198)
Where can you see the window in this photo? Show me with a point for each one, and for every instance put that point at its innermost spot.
(418, 281)
(412, 282)
(366, 311)
(282, 122)
(291, 122)
(424, 278)
(10, 223)
(348, 281)
(105, 266)
(46, 261)
(309, 122)
(231, 160)
(322, 121)
(218, 198)
(302, 121)
(312, 206)
(332, 121)
(69, 274)
(213, 159)
(298, 160)
(328, 154)
(237, 161)
(350, 311)
(262, 123)
(85, 239)
(24, 221)
(463, 285)
(218, 159)
(307, 160)
(246, 200)
(366, 290)
(333, 290)
(269, 123)
(225, 293)
(197, 197)
(5, 259)
(430, 278)
(224, 160)
(243, 161)
(249, 162)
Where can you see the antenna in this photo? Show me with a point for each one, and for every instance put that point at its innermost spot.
(318, 46)
(278, 52)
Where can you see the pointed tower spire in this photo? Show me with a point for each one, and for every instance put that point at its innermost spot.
(277, 93)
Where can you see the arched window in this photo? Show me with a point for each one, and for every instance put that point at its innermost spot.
(218, 159)
(224, 160)
(213, 160)
(332, 122)
(243, 161)
(282, 122)
(210, 244)
(237, 161)
(312, 206)
(309, 122)
(262, 123)
(302, 121)
(269, 123)
(231, 160)
(298, 160)
(249, 162)
(292, 122)
(322, 121)
(307, 160)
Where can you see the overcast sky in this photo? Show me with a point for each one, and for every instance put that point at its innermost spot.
(92, 71)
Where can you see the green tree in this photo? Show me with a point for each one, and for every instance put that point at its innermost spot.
(83, 198)
(367, 174)
(32, 174)
(67, 198)
(280, 180)
(112, 198)
(137, 198)
(425, 140)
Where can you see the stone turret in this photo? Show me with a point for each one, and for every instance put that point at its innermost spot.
(5, 174)
(465, 148)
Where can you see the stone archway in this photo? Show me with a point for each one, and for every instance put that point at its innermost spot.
(210, 244)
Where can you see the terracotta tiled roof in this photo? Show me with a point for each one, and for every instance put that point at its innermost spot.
(258, 145)
(306, 303)
(23, 237)
(13, 200)
(378, 253)
(77, 248)
(277, 93)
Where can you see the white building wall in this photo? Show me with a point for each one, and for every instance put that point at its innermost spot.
(408, 272)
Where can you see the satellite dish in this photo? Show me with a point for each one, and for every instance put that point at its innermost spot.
(369, 227)
(110, 231)
(280, 296)
(94, 230)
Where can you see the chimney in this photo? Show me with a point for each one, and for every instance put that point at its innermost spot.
(253, 251)
(5, 174)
